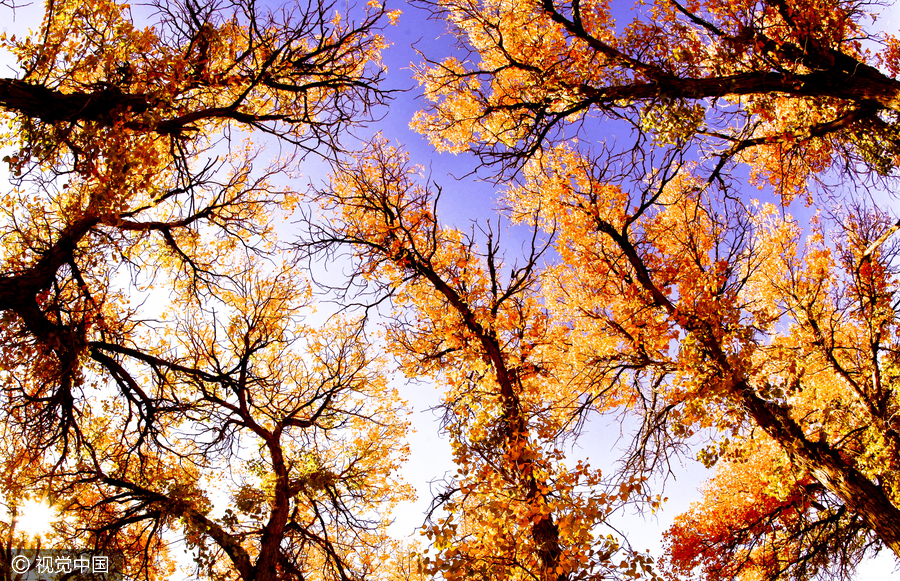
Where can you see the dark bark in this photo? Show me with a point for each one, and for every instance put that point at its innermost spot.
(826, 465)
(266, 568)
(872, 90)
(52, 106)
(17, 285)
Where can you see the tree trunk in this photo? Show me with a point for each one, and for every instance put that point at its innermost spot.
(50, 105)
(827, 466)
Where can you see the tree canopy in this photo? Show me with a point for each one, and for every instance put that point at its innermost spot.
(161, 351)
(154, 349)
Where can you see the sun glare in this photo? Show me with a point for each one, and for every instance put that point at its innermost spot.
(35, 518)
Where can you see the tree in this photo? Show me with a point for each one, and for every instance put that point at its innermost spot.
(758, 522)
(840, 357)
(294, 424)
(701, 309)
(683, 305)
(130, 184)
(787, 85)
(308, 438)
(513, 510)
